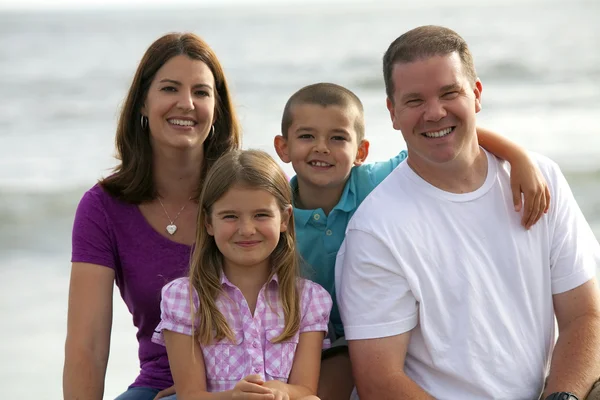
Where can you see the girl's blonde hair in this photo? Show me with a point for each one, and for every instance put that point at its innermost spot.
(252, 169)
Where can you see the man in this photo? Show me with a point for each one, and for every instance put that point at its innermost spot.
(442, 293)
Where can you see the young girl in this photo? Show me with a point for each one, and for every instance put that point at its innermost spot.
(258, 328)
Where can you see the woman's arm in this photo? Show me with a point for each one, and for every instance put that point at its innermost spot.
(89, 324)
(304, 377)
(525, 176)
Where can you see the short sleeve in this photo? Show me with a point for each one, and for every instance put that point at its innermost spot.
(316, 307)
(378, 171)
(575, 252)
(175, 309)
(92, 241)
(374, 296)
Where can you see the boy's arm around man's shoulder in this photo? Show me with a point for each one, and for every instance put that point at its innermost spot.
(381, 169)
(369, 175)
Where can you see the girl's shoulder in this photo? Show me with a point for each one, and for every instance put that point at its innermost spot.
(178, 290)
(315, 306)
(182, 283)
(312, 292)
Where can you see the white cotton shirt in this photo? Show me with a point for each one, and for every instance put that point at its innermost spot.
(461, 272)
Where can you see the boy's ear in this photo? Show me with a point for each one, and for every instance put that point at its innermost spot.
(362, 153)
(286, 214)
(282, 149)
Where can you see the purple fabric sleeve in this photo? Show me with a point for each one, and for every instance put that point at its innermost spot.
(92, 241)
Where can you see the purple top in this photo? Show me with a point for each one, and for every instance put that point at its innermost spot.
(116, 235)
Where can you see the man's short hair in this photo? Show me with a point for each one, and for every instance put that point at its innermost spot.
(325, 94)
(424, 42)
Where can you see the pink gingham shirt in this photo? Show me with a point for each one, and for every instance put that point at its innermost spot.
(253, 352)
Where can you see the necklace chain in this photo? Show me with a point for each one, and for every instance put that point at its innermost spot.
(171, 228)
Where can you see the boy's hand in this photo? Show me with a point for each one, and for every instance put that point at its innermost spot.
(251, 388)
(526, 178)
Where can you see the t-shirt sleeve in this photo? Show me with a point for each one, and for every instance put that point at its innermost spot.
(374, 296)
(91, 238)
(175, 310)
(378, 171)
(316, 307)
(575, 252)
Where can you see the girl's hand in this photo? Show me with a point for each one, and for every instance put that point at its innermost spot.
(278, 389)
(526, 178)
(279, 395)
(164, 393)
(251, 388)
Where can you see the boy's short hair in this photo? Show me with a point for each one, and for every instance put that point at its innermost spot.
(325, 94)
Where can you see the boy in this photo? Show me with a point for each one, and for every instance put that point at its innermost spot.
(322, 135)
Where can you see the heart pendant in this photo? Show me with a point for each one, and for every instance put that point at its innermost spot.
(171, 229)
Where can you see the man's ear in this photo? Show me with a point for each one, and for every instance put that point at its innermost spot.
(477, 90)
(282, 149)
(390, 106)
(362, 153)
(286, 214)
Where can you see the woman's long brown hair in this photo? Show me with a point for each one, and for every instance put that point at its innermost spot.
(132, 180)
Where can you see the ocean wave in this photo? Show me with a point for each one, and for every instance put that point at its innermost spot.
(506, 70)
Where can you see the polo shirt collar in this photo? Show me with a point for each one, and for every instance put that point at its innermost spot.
(347, 203)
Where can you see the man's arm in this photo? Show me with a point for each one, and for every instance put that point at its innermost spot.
(574, 260)
(378, 369)
(379, 311)
(575, 365)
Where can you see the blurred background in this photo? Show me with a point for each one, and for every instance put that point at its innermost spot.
(65, 67)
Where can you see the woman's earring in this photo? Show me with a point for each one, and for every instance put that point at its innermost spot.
(212, 130)
(144, 122)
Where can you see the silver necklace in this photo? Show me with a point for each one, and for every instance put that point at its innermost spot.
(171, 228)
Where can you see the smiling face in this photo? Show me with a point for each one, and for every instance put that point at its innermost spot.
(246, 225)
(434, 106)
(321, 144)
(180, 104)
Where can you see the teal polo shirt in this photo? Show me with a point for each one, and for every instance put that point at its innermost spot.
(320, 236)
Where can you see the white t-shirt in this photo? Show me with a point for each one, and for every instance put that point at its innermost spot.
(461, 272)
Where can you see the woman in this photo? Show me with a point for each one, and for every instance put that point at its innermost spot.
(136, 227)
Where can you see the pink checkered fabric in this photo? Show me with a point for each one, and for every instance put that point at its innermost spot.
(253, 351)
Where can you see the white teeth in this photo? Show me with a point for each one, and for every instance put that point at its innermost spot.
(438, 134)
(319, 164)
(182, 122)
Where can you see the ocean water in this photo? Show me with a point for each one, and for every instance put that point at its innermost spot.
(63, 76)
